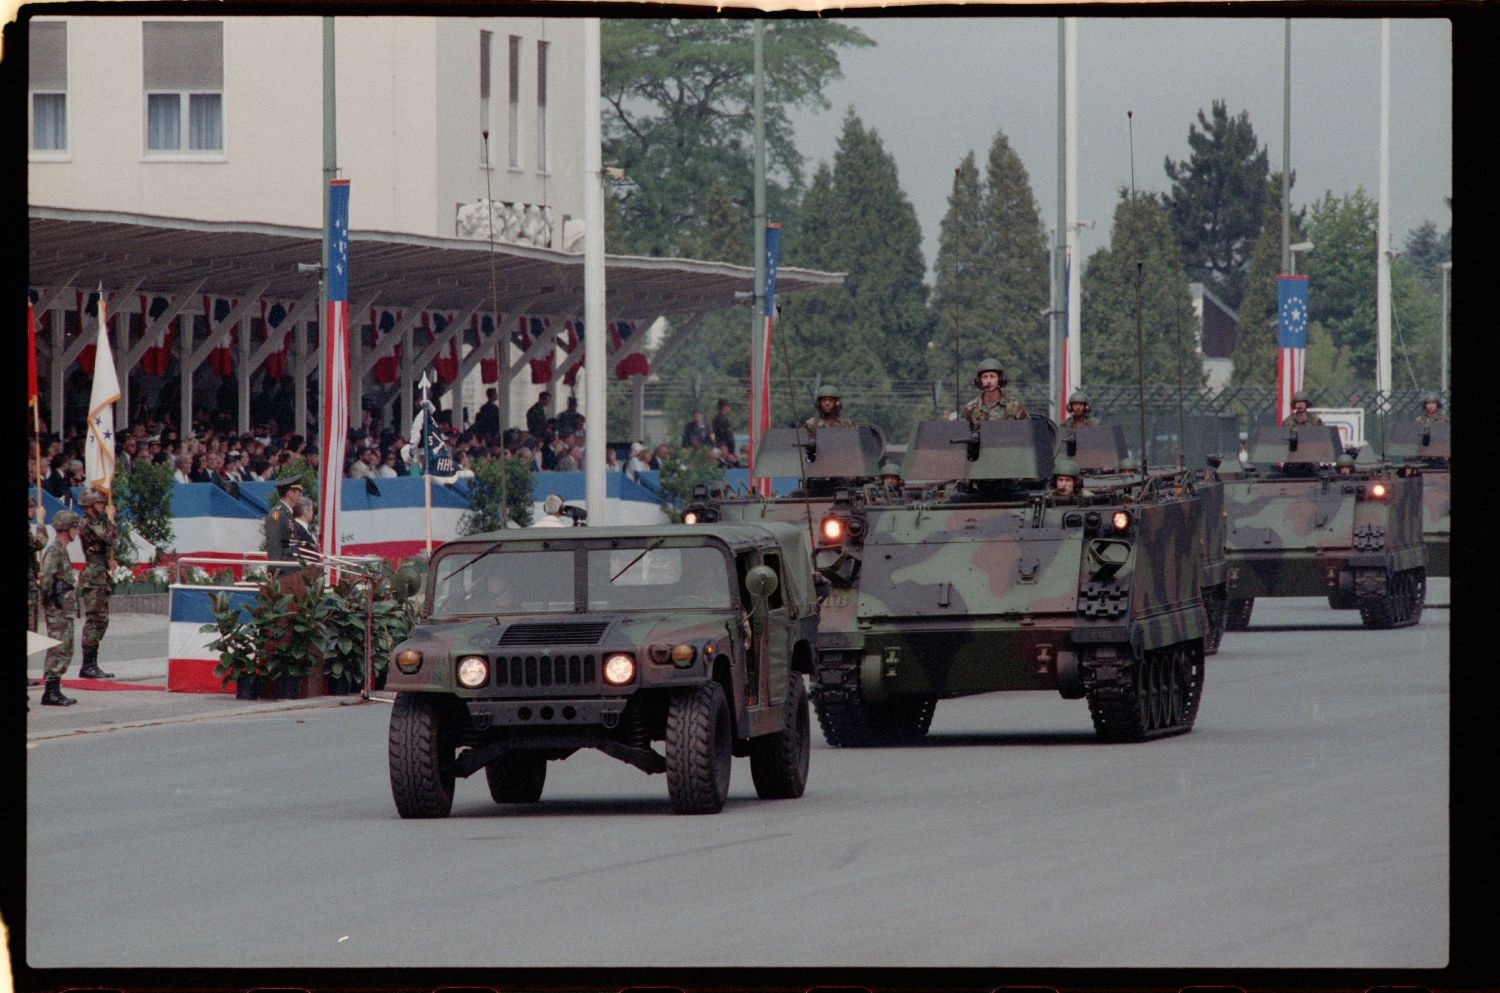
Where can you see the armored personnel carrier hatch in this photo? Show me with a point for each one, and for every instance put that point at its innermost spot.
(1299, 528)
(996, 583)
(1429, 447)
(537, 643)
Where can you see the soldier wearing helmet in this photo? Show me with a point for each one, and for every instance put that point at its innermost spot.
(1078, 412)
(1065, 481)
(1432, 409)
(991, 404)
(36, 531)
(97, 534)
(891, 487)
(828, 405)
(56, 581)
(1344, 464)
(1301, 416)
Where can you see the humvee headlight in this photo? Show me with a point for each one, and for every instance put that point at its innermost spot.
(833, 530)
(683, 655)
(1378, 491)
(409, 661)
(619, 669)
(473, 671)
(1120, 519)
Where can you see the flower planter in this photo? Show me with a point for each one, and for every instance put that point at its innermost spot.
(299, 687)
(247, 689)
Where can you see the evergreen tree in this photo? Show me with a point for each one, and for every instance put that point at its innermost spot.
(1426, 250)
(678, 114)
(1142, 249)
(992, 280)
(1217, 200)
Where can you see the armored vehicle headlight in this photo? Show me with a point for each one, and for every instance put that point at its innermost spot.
(409, 661)
(1378, 491)
(1120, 519)
(832, 530)
(690, 517)
(473, 671)
(683, 655)
(619, 669)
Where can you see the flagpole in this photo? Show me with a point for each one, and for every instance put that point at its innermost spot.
(425, 419)
(36, 400)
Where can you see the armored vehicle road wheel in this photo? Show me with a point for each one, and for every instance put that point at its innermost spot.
(517, 777)
(1342, 601)
(1395, 602)
(1216, 603)
(778, 762)
(421, 755)
(1239, 613)
(698, 750)
(1150, 697)
(849, 721)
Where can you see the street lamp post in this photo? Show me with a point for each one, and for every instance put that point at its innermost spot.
(1300, 248)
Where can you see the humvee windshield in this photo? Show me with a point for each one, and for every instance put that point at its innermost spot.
(541, 582)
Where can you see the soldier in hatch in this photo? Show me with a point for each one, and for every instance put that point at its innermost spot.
(1432, 409)
(1078, 412)
(991, 404)
(828, 411)
(1065, 480)
(1301, 416)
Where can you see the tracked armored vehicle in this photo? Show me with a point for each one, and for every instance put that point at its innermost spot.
(997, 583)
(537, 643)
(1298, 527)
(1430, 448)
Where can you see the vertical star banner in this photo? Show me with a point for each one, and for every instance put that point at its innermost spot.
(761, 408)
(334, 421)
(99, 442)
(1291, 340)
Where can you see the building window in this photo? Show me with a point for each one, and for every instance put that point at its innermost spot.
(541, 106)
(184, 85)
(49, 86)
(486, 45)
(514, 137)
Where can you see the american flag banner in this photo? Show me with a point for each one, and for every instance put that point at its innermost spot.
(335, 415)
(1291, 340)
(760, 407)
(31, 387)
(99, 442)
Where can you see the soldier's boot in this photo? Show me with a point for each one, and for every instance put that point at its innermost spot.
(91, 668)
(52, 696)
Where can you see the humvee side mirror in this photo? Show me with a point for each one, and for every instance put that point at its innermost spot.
(761, 581)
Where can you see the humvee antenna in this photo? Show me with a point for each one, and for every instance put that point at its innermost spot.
(1140, 265)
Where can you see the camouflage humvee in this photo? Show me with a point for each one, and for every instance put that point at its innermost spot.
(1430, 447)
(1297, 527)
(537, 643)
(996, 583)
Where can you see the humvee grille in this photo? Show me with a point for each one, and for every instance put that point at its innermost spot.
(523, 671)
(557, 633)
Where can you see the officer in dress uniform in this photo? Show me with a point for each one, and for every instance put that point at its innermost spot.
(991, 404)
(56, 579)
(279, 547)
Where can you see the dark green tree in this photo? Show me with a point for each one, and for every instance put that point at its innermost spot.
(991, 294)
(1426, 250)
(1217, 200)
(1142, 248)
(678, 115)
(1341, 279)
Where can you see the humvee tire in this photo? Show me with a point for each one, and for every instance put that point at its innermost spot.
(517, 777)
(1238, 618)
(698, 746)
(421, 756)
(778, 762)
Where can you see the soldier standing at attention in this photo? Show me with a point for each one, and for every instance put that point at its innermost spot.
(36, 529)
(1432, 409)
(56, 580)
(827, 412)
(991, 404)
(279, 546)
(1301, 416)
(98, 535)
(1078, 412)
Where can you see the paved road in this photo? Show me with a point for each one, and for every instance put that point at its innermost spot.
(1302, 824)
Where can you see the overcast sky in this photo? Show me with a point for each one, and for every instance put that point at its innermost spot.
(935, 88)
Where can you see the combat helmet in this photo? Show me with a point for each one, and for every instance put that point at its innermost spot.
(1302, 396)
(1065, 467)
(1431, 396)
(827, 390)
(65, 519)
(889, 467)
(1344, 461)
(90, 497)
(1128, 464)
(990, 365)
(1080, 397)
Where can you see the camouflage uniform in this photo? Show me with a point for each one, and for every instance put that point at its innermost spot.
(1425, 418)
(56, 580)
(1307, 417)
(1004, 408)
(98, 536)
(819, 421)
(38, 537)
(1070, 422)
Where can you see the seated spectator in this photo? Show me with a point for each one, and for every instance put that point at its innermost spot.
(181, 466)
(637, 463)
(387, 467)
(611, 459)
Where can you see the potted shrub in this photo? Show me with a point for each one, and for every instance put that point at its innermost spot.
(239, 656)
(390, 619)
(289, 634)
